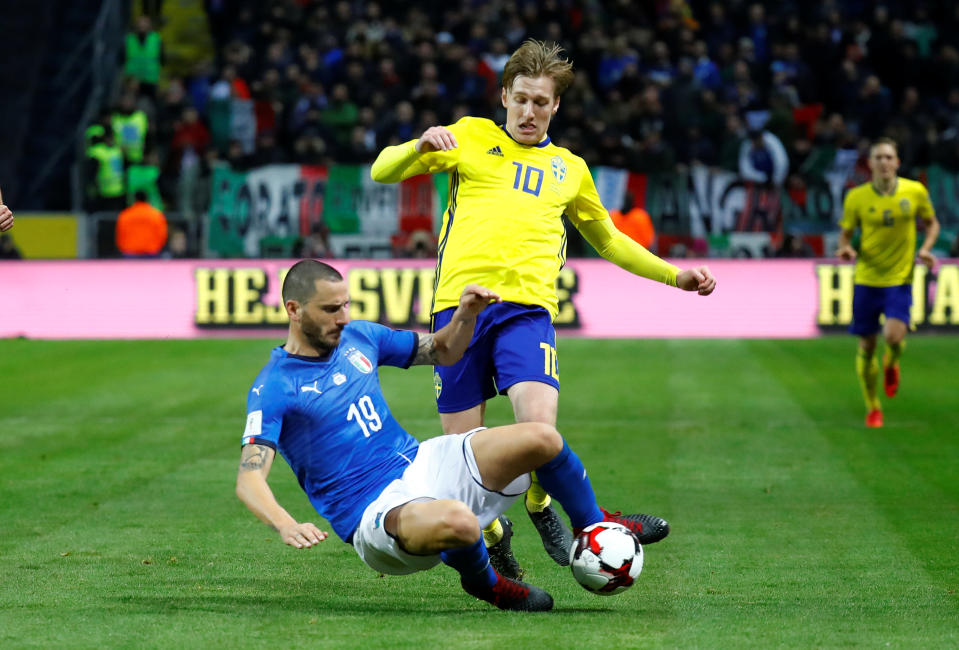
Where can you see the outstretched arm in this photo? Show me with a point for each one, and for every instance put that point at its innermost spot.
(253, 490)
(446, 347)
(626, 253)
(6, 216)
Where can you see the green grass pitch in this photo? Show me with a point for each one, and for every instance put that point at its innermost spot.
(793, 525)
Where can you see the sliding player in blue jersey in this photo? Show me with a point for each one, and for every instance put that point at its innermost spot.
(510, 186)
(404, 506)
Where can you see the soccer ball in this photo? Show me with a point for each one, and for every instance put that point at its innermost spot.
(606, 558)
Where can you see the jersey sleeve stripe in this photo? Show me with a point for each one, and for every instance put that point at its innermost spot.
(253, 440)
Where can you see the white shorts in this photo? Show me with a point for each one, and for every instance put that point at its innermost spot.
(444, 468)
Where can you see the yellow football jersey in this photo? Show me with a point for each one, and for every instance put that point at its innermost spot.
(887, 249)
(503, 228)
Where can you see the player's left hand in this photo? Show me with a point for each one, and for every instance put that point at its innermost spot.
(475, 299)
(927, 258)
(6, 218)
(696, 279)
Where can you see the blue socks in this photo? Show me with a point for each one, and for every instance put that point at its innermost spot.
(565, 479)
(472, 562)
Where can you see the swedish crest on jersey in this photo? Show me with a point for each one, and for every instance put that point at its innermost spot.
(558, 166)
(359, 361)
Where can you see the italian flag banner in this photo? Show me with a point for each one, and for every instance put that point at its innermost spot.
(270, 208)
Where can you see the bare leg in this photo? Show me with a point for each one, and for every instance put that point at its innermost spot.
(534, 401)
(428, 527)
(463, 421)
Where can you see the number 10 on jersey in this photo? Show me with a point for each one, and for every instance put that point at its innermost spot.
(533, 175)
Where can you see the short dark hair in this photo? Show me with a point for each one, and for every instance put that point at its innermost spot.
(139, 195)
(884, 140)
(300, 282)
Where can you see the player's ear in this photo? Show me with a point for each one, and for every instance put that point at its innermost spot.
(503, 96)
(556, 106)
(292, 309)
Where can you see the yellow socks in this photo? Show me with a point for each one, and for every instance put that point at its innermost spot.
(893, 352)
(493, 533)
(536, 498)
(868, 370)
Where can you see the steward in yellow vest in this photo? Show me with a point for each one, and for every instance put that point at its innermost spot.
(130, 128)
(106, 191)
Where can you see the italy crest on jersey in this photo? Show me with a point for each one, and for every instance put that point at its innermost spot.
(558, 166)
(359, 361)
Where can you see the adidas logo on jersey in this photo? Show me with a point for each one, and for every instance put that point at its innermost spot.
(496, 151)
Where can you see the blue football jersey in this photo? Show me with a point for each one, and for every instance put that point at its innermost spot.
(328, 418)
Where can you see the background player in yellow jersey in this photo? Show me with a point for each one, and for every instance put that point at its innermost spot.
(885, 210)
(509, 188)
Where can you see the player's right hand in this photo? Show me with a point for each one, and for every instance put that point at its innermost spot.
(302, 535)
(6, 218)
(847, 253)
(475, 299)
(436, 138)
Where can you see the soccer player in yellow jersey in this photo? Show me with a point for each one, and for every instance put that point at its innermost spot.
(885, 210)
(509, 188)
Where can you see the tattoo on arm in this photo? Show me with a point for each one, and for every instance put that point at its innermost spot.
(254, 457)
(425, 351)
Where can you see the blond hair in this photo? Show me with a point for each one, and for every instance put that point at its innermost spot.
(539, 59)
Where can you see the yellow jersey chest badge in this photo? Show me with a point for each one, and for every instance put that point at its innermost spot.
(558, 167)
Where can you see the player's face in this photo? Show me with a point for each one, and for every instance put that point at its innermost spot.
(323, 317)
(530, 105)
(883, 162)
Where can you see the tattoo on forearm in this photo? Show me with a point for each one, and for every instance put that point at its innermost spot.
(425, 351)
(253, 457)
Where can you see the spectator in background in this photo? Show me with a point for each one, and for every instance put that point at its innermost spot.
(179, 245)
(793, 245)
(141, 229)
(340, 115)
(763, 159)
(634, 222)
(143, 56)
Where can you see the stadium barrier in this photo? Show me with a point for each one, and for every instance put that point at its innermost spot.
(199, 298)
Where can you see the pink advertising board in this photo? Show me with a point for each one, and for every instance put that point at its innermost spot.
(197, 298)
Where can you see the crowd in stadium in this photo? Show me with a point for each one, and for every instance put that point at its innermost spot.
(659, 84)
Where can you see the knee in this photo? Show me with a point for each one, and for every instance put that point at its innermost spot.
(460, 525)
(545, 441)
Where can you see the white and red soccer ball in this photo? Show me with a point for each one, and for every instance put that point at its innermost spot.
(606, 558)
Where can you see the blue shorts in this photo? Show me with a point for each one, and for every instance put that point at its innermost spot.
(512, 343)
(869, 302)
